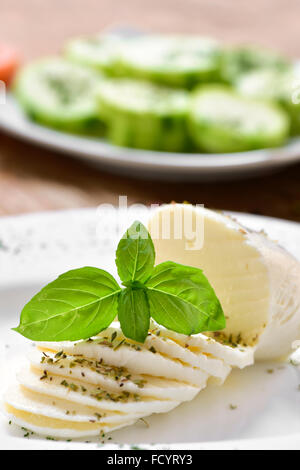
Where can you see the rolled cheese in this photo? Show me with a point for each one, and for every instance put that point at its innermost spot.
(256, 280)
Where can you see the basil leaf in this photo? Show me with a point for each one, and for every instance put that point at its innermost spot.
(134, 314)
(135, 254)
(77, 305)
(181, 299)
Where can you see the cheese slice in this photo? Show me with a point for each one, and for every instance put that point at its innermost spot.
(26, 400)
(237, 356)
(92, 395)
(256, 280)
(137, 358)
(113, 378)
(52, 428)
(168, 348)
(60, 428)
(166, 345)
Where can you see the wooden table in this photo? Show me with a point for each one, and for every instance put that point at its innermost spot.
(34, 179)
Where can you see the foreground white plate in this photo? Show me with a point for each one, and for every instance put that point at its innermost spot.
(146, 163)
(35, 248)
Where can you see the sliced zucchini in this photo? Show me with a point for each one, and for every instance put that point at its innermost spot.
(243, 59)
(142, 115)
(223, 121)
(99, 52)
(280, 86)
(60, 94)
(180, 61)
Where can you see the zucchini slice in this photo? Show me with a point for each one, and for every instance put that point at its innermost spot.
(223, 121)
(60, 94)
(142, 115)
(282, 87)
(99, 52)
(243, 59)
(180, 61)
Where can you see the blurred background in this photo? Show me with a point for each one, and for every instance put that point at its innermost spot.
(36, 179)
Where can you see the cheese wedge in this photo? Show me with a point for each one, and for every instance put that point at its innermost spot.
(256, 281)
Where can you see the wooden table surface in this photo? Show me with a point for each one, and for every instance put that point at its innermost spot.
(34, 179)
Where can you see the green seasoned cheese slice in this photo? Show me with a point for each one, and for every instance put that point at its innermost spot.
(223, 121)
(142, 115)
(180, 61)
(60, 94)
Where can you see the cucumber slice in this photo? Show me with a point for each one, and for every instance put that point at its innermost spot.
(60, 94)
(99, 52)
(281, 87)
(223, 121)
(142, 115)
(244, 59)
(180, 61)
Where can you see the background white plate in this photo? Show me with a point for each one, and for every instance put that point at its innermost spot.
(36, 248)
(146, 163)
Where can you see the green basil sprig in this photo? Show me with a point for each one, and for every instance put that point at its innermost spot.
(82, 302)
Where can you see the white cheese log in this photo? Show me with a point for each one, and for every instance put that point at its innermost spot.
(256, 280)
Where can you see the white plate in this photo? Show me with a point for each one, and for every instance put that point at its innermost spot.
(36, 248)
(146, 163)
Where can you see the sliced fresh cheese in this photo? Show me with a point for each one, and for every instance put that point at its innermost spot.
(164, 345)
(233, 355)
(256, 280)
(23, 399)
(92, 395)
(137, 358)
(168, 348)
(59, 428)
(113, 378)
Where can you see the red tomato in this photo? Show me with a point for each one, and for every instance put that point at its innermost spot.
(9, 61)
